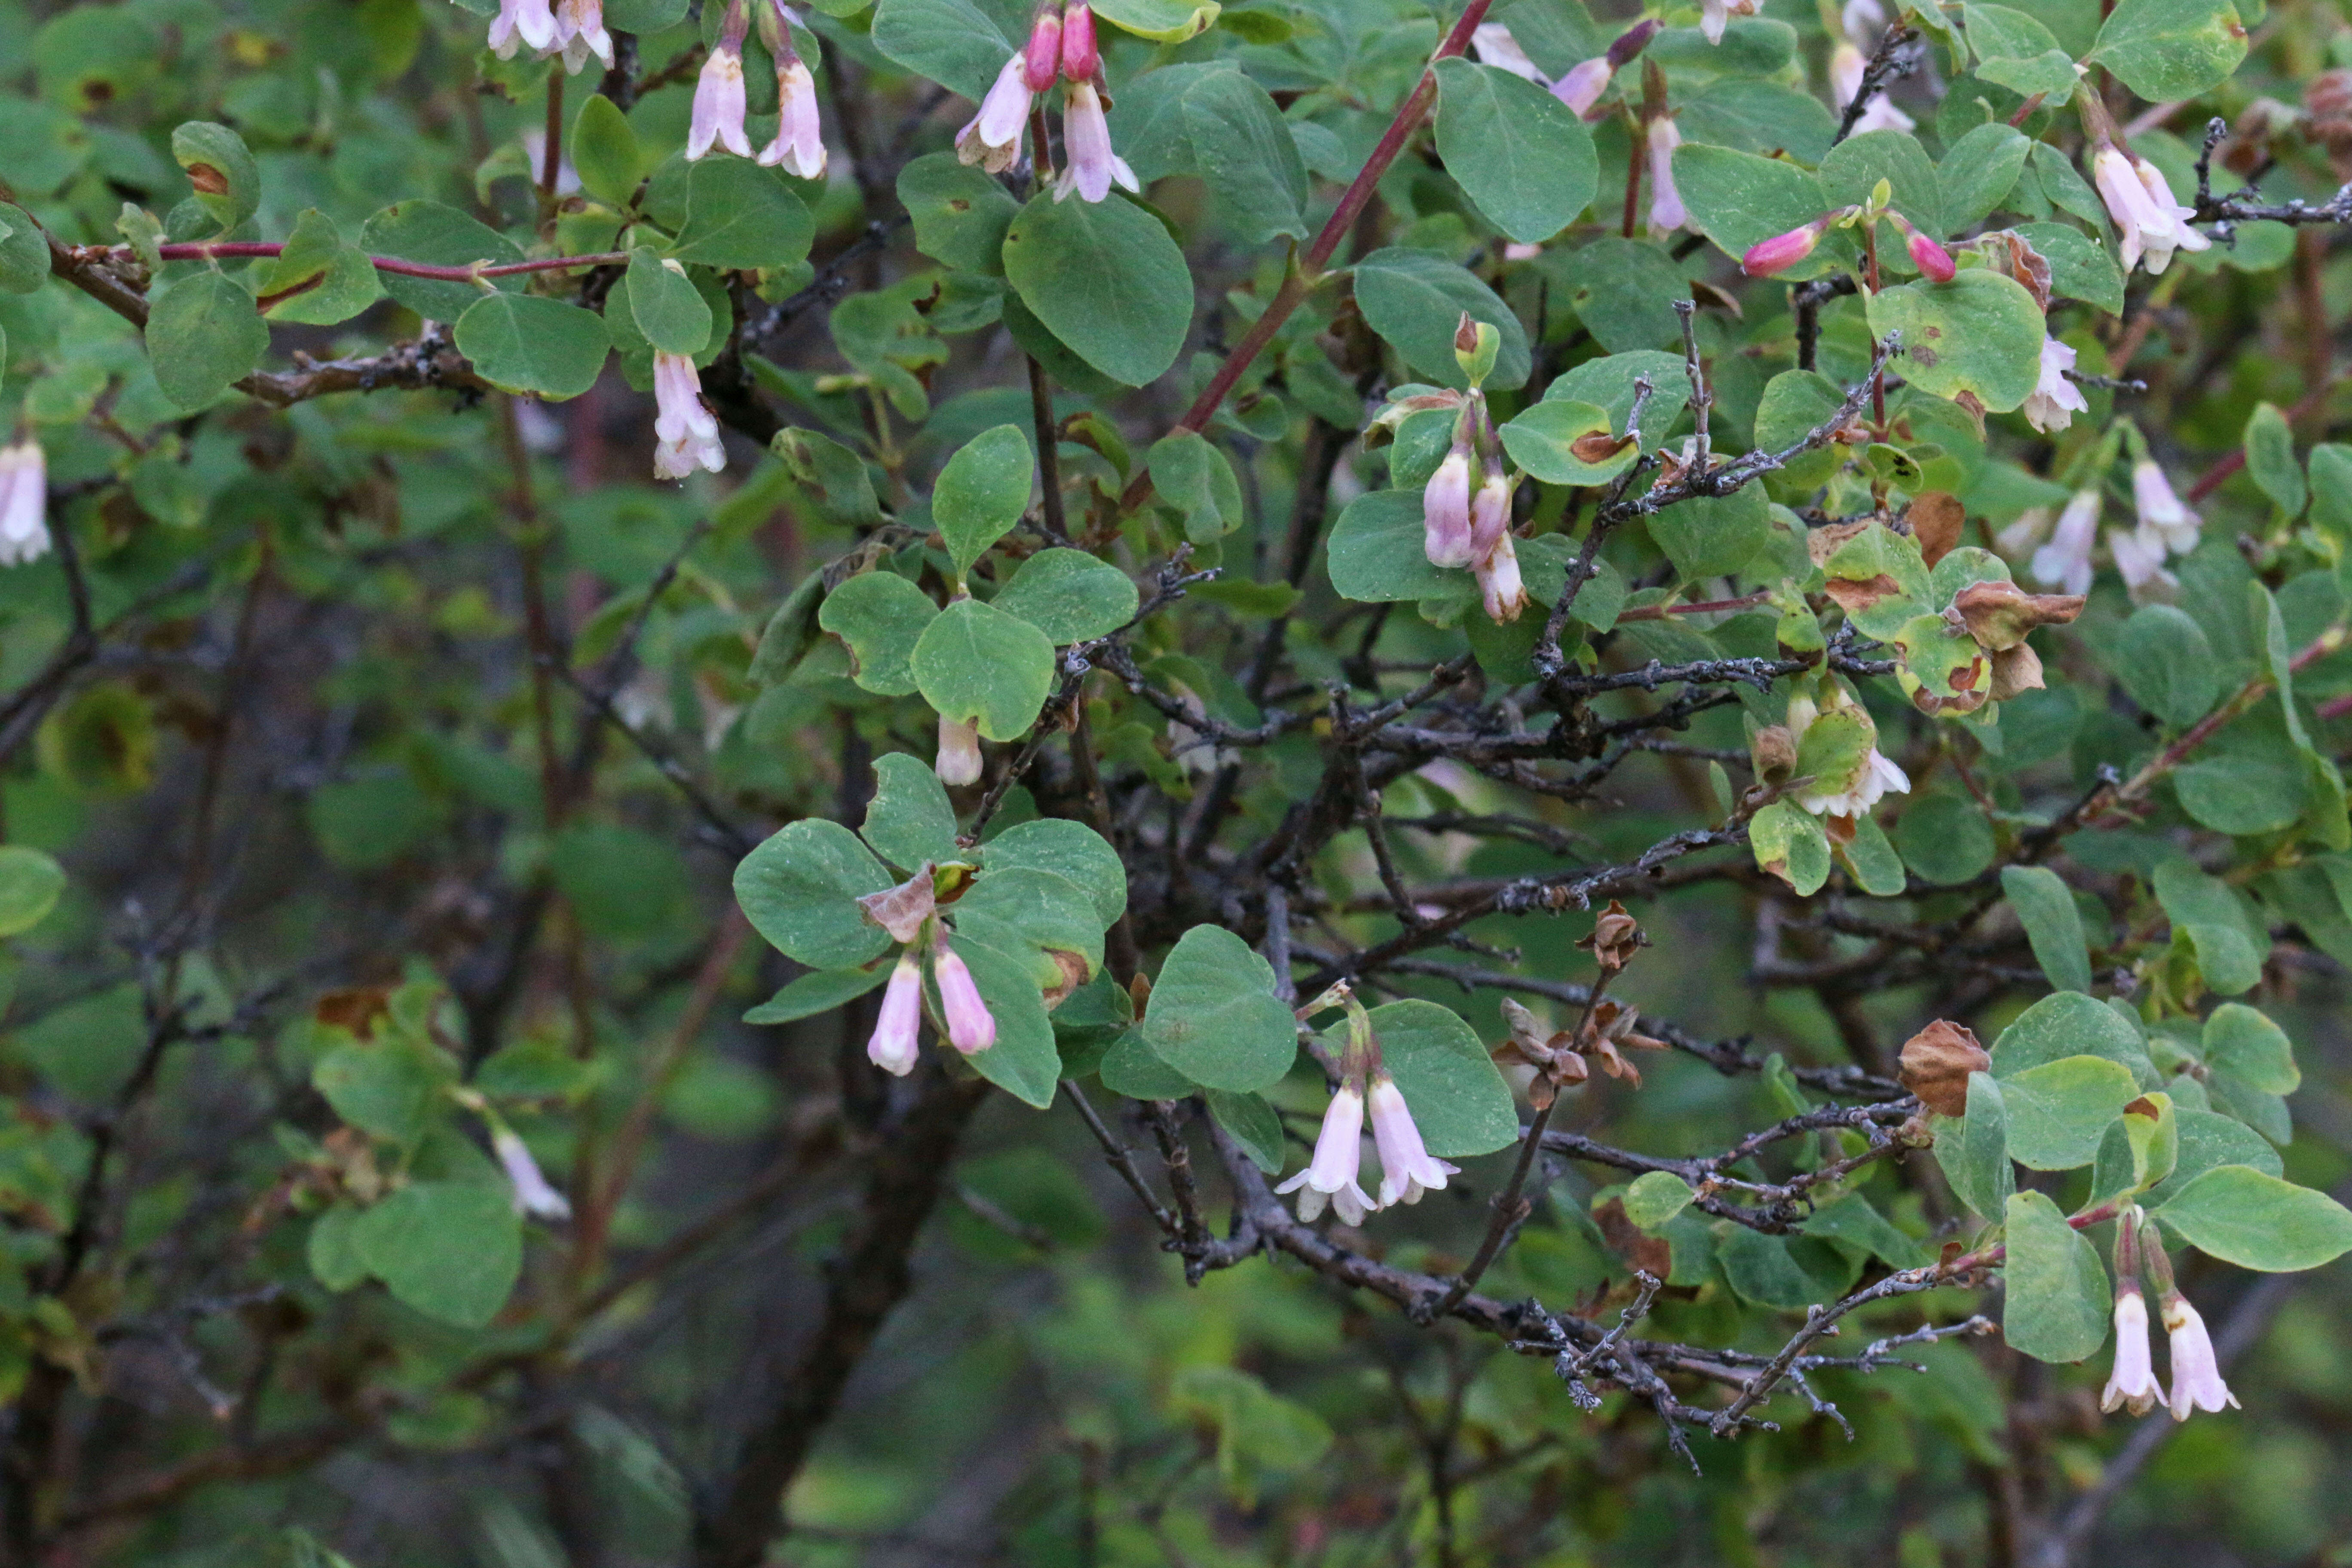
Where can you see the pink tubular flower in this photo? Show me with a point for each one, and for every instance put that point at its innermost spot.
(1932, 260)
(686, 432)
(719, 99)
(1085, 142)
(971, 1028)
(2133, 1381)
(1586, 80)
(1499, 582)
(23, 504)
(2139, 557)
(2161, 512)
(532, 1195)
(2148, 223)
(1848, 66)
(2024, 535)
(2064, 563)
(1783, 251)
(1667, 213)
(1041, 57)
(1081, 56)
(958, 757)
(526, 24)
(1715, 15)
(1495, 47)
(800, 135)
(1330, 1177)
(1407, 1168)
(1490, 516)
(2196, 1375)
(580, 33)
(892, 1048)
(991, 138)
(1445, 511)
(2054, 399)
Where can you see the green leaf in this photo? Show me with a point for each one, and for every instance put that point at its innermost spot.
(1192, 475)
(1068, 849)
(334, 1256)
(1713, 536)
(880, 617)
(1852, 1220)
(2164, 661)
(2053, 924)
(1610, 384)
(203, 334)
(1106, 280)
(1754, 115)
(24, 252)
(1870, 858)
(738, 214)
(909, 820)
(1458, 1096)
(1945, 838)
(1979, 172)
(1213, 1017)
(2166, 49)
(1253, 1124)
(819, 993)
(1737, 200)
(1788, 843)
(1161, 21)
(1128, 1067)
(228, 182)
(451, 1250)
(1656, 1197)
(526, 343)
(1980, 334)
(1258, 1431)
(337, 282)
(666, 306)
(1377, 554)
(1415, 300)
(960, 212)
(2066, 1024)
(2058, 1111)
(800, 890)
(30, 883)
(1211, 120)
(981, 492)
(2056, 1302)
(1974, 1151)
(1027, 912)
(955, 43)
(1540, 439)
(1069, 596)
(1622, 289)
(2244, 1043)
(2231, 940)
(2258, 1221)
(1024, 1062)
(1520, 154)
(2246, 782)
(1785, 1272)
(2016, 51)
(833, 477)
(1855, 165)
(975, 662)
(387, 1086)
(2080, 266)
(420, 230)
(2270, 458)
(603, 149)
(2209, 1139)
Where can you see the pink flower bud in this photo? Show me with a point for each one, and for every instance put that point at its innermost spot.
(1631, 42)
(1446, 512)
(1586, 80)
(1930, 259)
(686, 433)
(1042, 60)
(1081, 60)
(971, 1028)
(532, 1195)
(959, 756)
(893, 1047)
(1490, 516)
(1783, 251)
(800, 137)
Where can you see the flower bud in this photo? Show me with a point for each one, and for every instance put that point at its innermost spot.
(1475, 345)
(1631, 42)
(1932, 260)
(1041, 62)
(1081, 58)
(1782, 251)
(1490, 516)
(971, 1028)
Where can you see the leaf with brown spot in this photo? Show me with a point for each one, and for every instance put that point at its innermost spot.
(1999, 614)
(1650, 1254)
(1935, 518)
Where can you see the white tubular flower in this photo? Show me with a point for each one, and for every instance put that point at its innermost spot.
(2178, 235)
(1880, 777)
(24, 503)
(2064, 563)
(2163, 514)
(2195, 1375)
(719, 98)
(800, 135)
(1495, 47)
(1499, 584)
(2054, 399)
(1715, 15)
(971, 1028)
(1848, 66)
(686, 432)
(521, 24)
(1085, 143)
(2148, 222)
(991, 138)
(958, 762)
(1586, 80)
(532, 1195)
(2133, 1381)
(580, 33)
(893, 1045)
(1407, 1167)
(1331, 1176)
(1666, 211)
(2139, 557)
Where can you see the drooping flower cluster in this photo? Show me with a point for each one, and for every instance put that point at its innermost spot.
(1466, 507)
(909, 913)
(573, 28)
(720, 100)
(1782, 251)
(2149, 225)
(1333, 1177)
(2164, 526)
(1060, 47)
(24, 503)
(2196, 1372)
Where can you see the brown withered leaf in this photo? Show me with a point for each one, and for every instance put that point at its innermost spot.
(1927, 702)
(1648, 1253)
(1774, 753)
(1600, 447)
(1935, 1064)
(1969, 404)
(1714, 298)
(901, 911)
(2011, 253)
(2015, 670)
(1851, 595)
(1821, 543)
(1999, 614)
(1935, 518)
(1616, 938)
